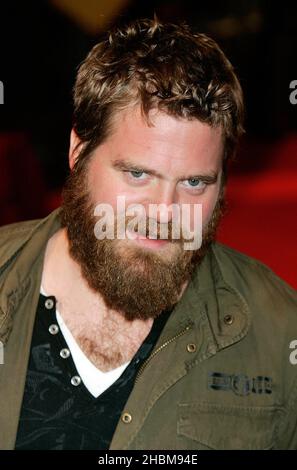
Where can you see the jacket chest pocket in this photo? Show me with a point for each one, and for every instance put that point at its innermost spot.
(210, 426)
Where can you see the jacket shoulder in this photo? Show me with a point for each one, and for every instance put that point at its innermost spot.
(13, 236)
(252, 276)
(18, 227)
(14, 232)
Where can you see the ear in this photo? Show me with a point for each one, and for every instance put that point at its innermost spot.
(74, 148)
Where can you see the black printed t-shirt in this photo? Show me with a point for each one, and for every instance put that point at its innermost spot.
(58, 411)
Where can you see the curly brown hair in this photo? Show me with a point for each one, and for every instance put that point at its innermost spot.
(156, 65)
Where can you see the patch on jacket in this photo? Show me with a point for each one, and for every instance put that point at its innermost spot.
(239, 384)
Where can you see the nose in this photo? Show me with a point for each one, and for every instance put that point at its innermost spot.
(162, 203)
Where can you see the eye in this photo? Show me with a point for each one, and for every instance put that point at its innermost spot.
(195, 183)
(137, 174)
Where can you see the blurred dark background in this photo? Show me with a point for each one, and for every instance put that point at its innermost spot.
(43, 42)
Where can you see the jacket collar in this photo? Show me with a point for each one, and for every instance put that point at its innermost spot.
(21, 264)
(226, 309)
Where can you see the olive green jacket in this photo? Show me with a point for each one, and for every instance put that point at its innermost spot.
(220, 375)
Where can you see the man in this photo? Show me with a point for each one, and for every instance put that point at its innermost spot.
(134, 341)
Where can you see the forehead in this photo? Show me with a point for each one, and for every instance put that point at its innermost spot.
(169, 143)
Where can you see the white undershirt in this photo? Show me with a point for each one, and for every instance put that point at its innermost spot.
(94, 379)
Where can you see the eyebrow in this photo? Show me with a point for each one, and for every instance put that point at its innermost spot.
(128, 165)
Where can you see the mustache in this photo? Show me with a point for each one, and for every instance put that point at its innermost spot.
(150, 228)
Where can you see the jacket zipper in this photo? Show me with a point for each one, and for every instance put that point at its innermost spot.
(160, 348)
